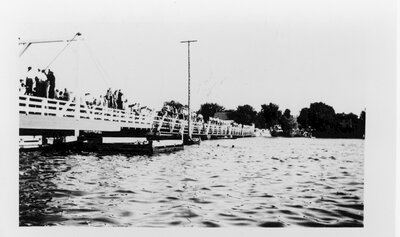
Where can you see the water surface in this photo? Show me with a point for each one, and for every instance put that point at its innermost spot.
(257, 182)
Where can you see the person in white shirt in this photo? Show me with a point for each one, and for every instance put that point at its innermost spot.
(39, 85)
(29, 82)
(41, 75)
(43, 83)
(22, 88)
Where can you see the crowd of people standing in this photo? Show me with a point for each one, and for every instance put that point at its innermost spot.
(112, 100)
(181, 113)
(42, 83)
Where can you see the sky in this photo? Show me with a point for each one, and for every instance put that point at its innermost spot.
(291, 53)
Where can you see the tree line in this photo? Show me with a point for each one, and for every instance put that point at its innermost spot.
(319, 120)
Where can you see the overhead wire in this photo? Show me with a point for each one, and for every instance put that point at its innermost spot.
(98, 65)
(62, 50)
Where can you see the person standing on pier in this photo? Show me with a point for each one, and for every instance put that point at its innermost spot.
(37, 86)
(119, 99)
(114, 99)
(40, 88)
(22, 87)
(105, 102)
(100, 101)
(56, 94)
(44, 83)
(29, 82)
(66, 94)
(52, 83)
(109, 98)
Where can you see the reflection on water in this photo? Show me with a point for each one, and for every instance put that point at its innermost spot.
(263, 182)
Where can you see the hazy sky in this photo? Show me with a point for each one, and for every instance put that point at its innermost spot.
(291, 53)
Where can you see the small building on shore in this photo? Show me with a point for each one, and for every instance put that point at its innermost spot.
(224, 115)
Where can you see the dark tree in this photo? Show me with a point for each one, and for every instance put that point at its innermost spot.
(231, 114)
(245, 114)
(322, 118)
(286, 113)
(303, 118)
(271, 114)
(346, 122)
(209, 109)
(288, 123)
(260, 121)
(174, 105)
(346, 125)
(324, 122)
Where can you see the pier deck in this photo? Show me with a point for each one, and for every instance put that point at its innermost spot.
(51, 118)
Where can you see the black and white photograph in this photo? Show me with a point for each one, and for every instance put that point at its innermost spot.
(186, 115)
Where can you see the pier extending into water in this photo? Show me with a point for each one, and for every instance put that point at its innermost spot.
(44, 122)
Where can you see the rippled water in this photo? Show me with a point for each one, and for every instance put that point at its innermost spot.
(265, 182)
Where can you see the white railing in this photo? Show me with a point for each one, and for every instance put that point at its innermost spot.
(31, 105)
(167, 125)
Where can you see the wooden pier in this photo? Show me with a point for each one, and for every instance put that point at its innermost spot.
(44, 122)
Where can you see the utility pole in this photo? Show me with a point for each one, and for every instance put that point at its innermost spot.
(189, 119)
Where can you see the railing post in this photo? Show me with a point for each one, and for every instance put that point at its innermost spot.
(45, 103)
(182, 128)
(77, 114)
(161, 122)
(208, 127)
(173, 124)
(58, 113)
(149, 119)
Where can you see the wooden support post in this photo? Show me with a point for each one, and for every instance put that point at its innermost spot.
(77, 115)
